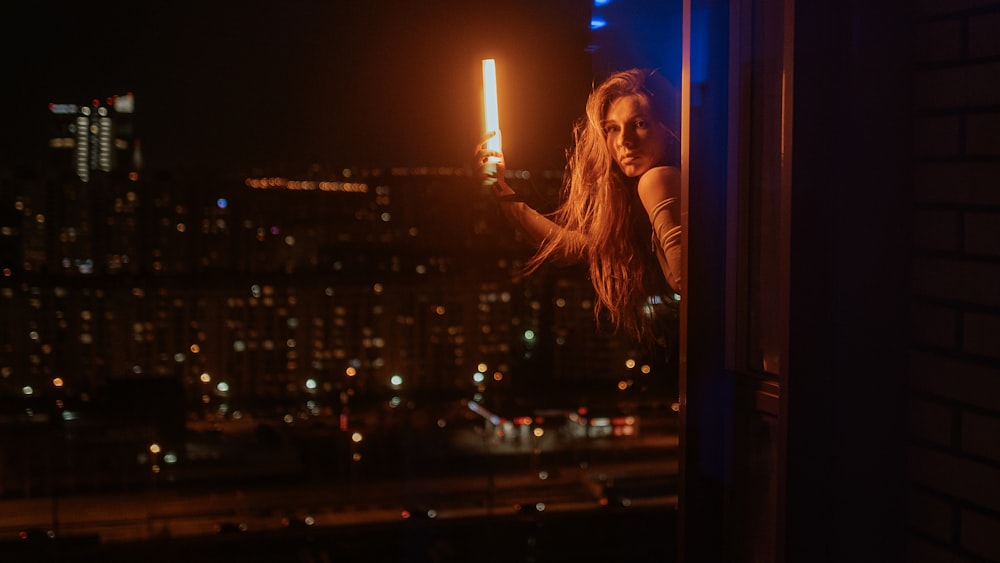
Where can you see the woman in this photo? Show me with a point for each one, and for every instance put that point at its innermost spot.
(621, 191)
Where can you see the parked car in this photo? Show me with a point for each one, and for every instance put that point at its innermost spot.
(418, 513)
(296, 521)
(230, 527)
(615, 500)
(36, 534)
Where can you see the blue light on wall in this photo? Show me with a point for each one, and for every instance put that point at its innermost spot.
(699, 46)
(636, 33)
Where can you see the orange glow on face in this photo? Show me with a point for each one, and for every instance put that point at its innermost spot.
(633, 138)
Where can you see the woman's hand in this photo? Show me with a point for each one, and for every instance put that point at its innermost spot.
(492, 167)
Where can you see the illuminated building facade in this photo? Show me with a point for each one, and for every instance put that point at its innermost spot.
(344, 296)
(277, 295)
(284, 290)
(99, 135)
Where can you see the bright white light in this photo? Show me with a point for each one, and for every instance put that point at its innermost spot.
(222, 387)
(310, 383)
(396, 380)
(478, 377)
(490, 109)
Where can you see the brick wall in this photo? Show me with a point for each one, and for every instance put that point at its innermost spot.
(954, 363)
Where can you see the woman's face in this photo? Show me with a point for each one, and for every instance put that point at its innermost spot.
(636, 141)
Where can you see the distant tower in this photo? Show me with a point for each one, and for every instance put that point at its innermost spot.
(100, 134)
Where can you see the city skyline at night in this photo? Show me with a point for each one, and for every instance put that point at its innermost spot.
(244, 251)
(156, 243)
(207, 298)
(256, 306)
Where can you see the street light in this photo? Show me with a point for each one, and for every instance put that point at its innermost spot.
(154, 449)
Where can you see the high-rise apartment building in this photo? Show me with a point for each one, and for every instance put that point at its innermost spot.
(98, 135)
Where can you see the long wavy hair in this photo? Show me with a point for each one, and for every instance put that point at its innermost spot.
(601, 203)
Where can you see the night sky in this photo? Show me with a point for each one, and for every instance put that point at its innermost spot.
(284, 84)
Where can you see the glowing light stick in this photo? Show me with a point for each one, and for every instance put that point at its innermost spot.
(490, 106)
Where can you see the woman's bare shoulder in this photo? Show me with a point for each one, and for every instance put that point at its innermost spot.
(664, 174)
(660, 182)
